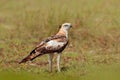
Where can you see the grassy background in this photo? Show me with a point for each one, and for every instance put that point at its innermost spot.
(94, 49)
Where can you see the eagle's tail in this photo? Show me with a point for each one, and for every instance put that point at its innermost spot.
(30, 57)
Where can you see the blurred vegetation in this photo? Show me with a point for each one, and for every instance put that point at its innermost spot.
(94, 38)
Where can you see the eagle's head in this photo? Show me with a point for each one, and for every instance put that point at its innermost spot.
(66, 26)
(64, 29)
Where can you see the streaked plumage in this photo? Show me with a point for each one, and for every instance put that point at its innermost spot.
(56, 43)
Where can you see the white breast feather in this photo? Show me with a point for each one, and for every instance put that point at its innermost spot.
(54, 44)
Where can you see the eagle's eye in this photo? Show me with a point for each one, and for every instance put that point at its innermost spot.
(66, 25)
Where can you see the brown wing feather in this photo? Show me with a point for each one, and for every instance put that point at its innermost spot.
(40, 49)
(43, 44)
(56, 37)
(56, 45)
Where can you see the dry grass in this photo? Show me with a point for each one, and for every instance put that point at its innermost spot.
(94, 38)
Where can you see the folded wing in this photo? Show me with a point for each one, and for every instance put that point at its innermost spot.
(56, 45)
(50, 45)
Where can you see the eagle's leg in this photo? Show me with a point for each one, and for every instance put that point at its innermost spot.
(58, 62)
(50, 57)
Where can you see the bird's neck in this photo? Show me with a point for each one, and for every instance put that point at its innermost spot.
(63, 32)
